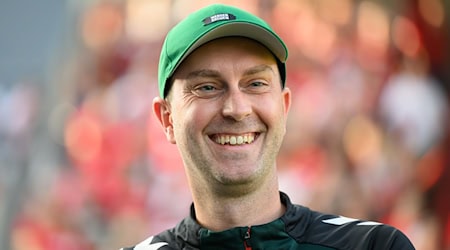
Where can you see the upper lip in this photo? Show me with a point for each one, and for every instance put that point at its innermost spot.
(232, 133)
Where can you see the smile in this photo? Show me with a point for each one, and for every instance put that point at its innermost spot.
(226, 139)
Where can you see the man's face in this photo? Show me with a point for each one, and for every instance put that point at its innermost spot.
(226, 111)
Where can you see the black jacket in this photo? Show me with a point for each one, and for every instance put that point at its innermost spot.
(298, 228)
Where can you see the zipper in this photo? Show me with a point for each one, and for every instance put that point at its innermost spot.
(247, 243)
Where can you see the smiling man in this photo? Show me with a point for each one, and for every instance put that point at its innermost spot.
(224, 103)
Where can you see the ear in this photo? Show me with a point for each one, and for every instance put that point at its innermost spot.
(162, 111)
(286, 99)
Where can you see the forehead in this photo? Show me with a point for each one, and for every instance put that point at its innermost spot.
(239, 49)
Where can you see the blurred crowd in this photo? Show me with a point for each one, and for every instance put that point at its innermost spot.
(368, 134)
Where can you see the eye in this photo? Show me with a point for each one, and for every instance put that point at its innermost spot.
(258, 86)
(206, 90)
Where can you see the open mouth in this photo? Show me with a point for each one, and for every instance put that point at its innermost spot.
(228, 139)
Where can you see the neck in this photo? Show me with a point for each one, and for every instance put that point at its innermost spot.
(219, 212)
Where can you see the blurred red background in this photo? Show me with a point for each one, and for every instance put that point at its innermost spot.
(368, 134)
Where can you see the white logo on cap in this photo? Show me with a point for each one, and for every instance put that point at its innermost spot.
(218, 17)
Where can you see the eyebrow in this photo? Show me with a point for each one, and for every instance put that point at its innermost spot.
(216, 74)
(203, 73)
(258, 69)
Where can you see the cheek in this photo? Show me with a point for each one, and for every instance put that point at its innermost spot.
(191, 120)
(271, 112)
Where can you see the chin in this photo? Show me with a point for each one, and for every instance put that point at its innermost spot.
(241, 178)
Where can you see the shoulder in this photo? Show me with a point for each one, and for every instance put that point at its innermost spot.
(182, 236)
(339, 232)
(151, 243)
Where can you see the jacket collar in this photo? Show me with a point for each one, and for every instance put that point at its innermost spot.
(195, 235)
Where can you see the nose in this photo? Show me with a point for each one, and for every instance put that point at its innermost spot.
(236, 105)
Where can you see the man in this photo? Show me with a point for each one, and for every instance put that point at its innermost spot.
(223, 101)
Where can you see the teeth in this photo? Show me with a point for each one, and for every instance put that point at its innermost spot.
(235, 139)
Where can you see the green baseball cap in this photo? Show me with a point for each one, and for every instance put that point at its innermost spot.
(209, 23)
